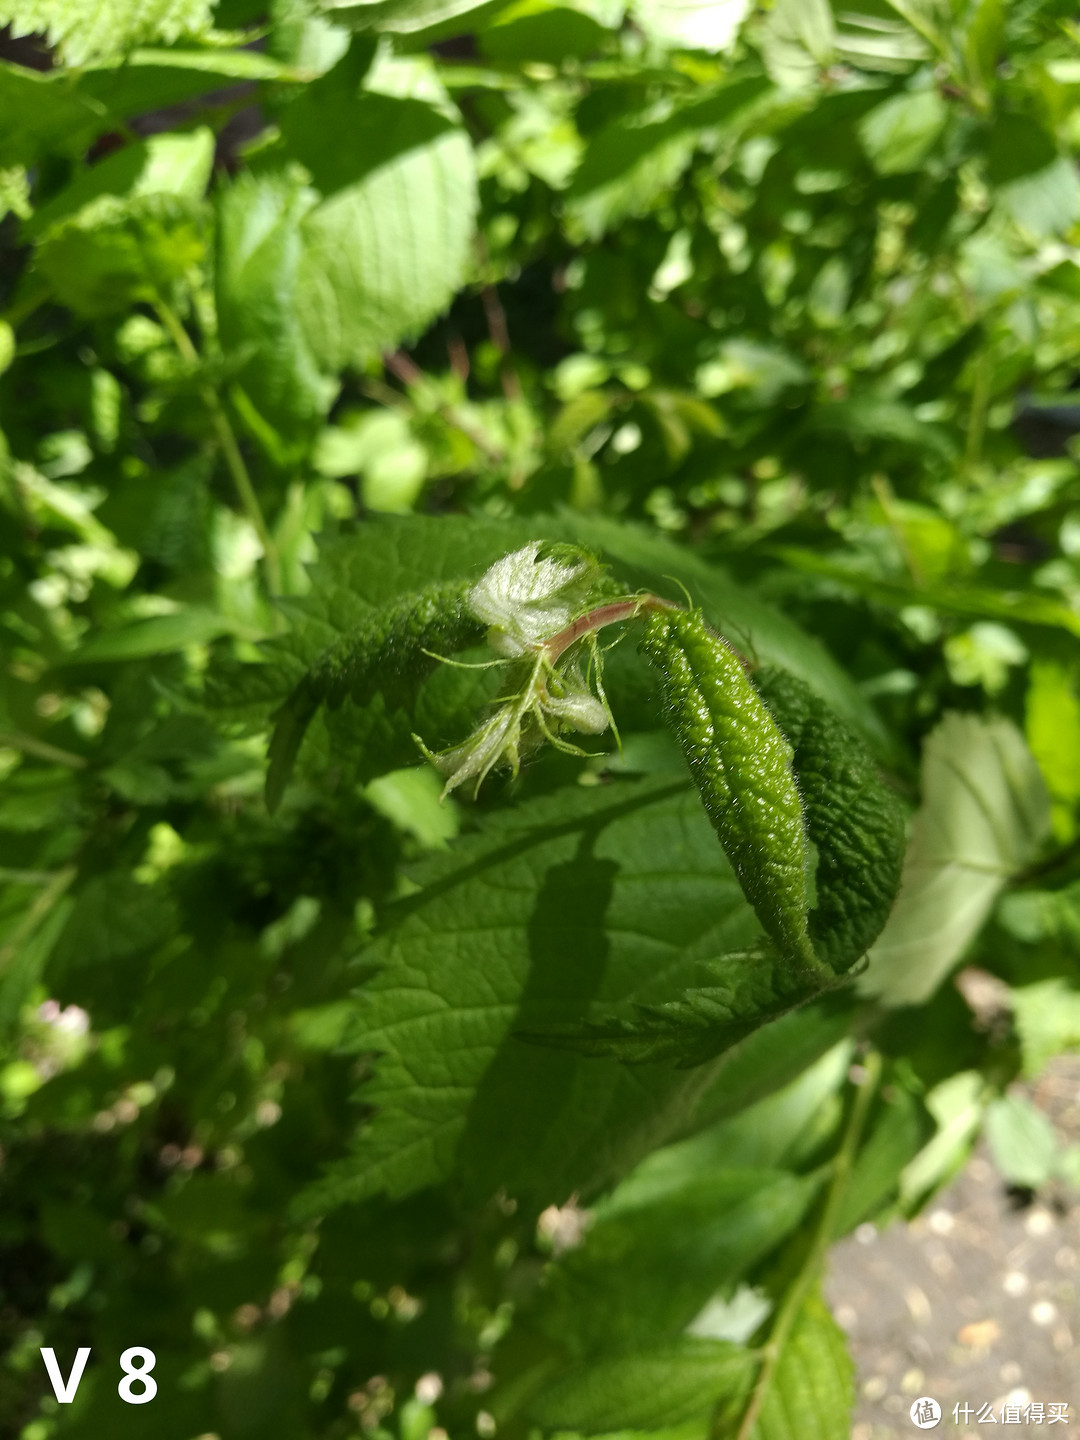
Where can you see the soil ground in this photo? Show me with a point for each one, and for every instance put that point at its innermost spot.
(976, 1301)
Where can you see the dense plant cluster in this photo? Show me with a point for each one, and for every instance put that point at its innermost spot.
(539, 600)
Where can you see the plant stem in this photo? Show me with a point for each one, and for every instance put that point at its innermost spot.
(41, 749)
(613, 613)
(811, 1266)
(409, 373)
(36, 913)
(230, 449)
(980, 404)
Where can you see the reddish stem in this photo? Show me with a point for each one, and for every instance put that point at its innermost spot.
(610, 614)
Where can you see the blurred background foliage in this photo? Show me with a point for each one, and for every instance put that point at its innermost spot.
(305, 306)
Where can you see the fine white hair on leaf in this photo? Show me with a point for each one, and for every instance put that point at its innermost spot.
(580, 712)
(524, 598)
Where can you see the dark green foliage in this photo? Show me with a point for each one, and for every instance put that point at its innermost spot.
(378, 1115)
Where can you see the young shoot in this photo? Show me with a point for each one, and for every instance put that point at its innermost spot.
(539, 604)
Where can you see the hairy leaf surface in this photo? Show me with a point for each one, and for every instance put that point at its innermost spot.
(566, 904)
(645, 1390)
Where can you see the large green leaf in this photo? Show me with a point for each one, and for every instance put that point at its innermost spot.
(663, 1245)
(644, 1390)
(984, 814)
(855, 826)
(259, 248)
(559, 906)
(813, 1387)
(384, 253)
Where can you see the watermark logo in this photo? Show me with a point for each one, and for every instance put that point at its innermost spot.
(925, 1413)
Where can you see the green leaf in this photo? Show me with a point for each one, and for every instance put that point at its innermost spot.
(737, 993)
(511, 930)
(983, 816)
(384, 254)
(1052, 727)
(873, 418)
(854, 821)
(630, 161)
(691, 24)
(115, 252)
(411, 115)
(772, 1057)
(1047, 1018)
(163, 165)
(259, 249)
(160, 634)
(813, 1388)
(956, 1105)
(1033, 183)
(402, 17)
(24, 964)
(128, 228)
(39, 115)
(898, 1131)
(389, 653)
(1016, 606)
(984, 35)
(856, 828)
(653, 1389)
(1022, 1141)
(410, 798)
(781, 1129)
(60, 112)
(107, 28)
(114, 919)
(798, 41)
(899, 134)
(657, 1251)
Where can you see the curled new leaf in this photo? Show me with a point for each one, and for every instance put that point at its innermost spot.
(741, 764)
(856, 825)
(390, 650)
(854, 821)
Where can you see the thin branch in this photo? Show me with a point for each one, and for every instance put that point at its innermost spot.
(823, 1234)
(409, 373)
(41, 749)
(500, 338)
(230, 449)
(35, 914)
